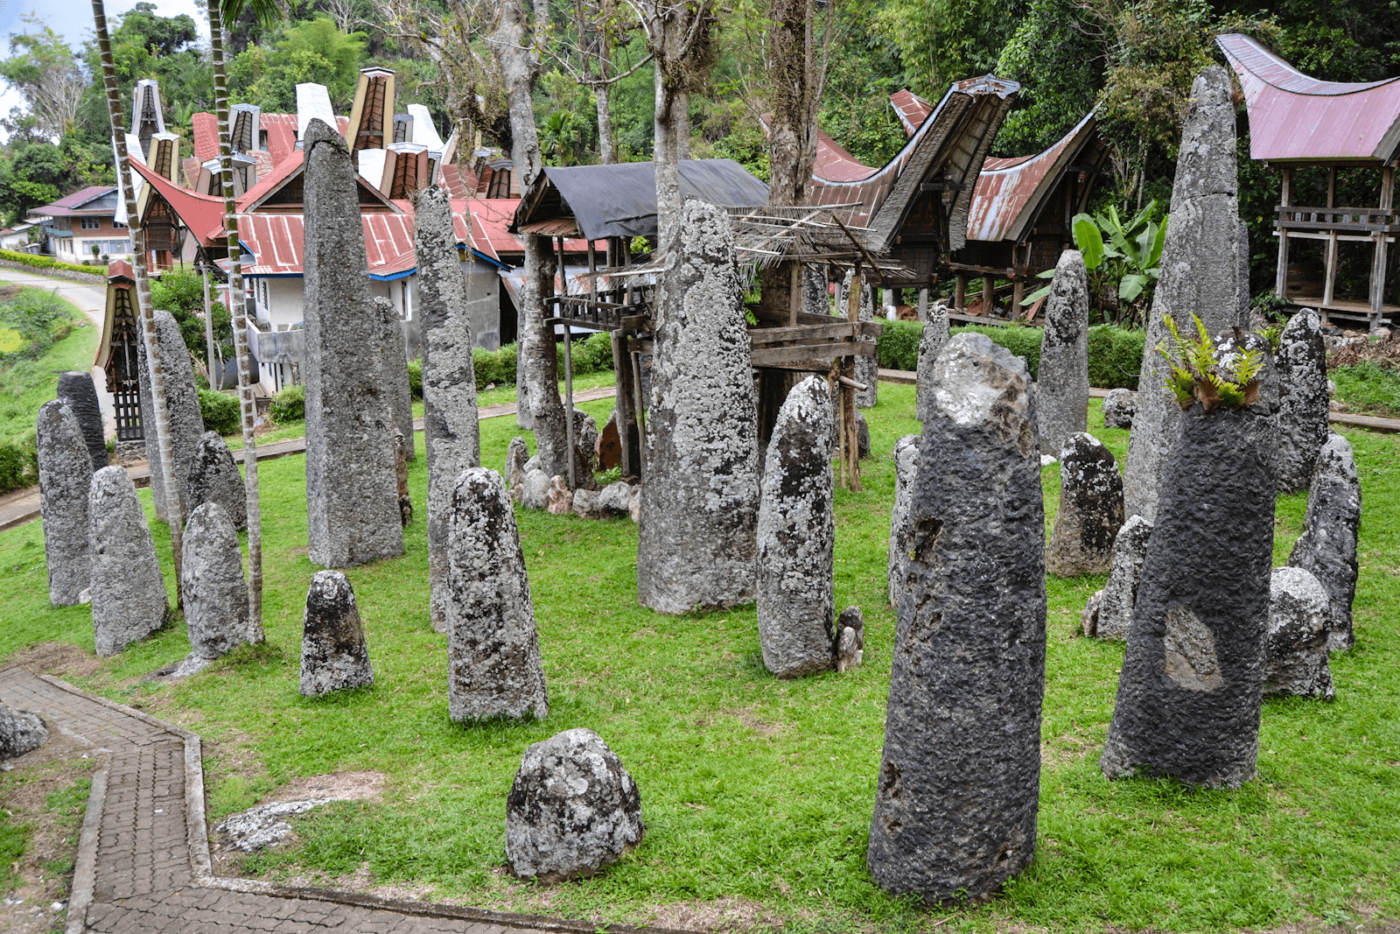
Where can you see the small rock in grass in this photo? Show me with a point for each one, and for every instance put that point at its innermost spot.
(263, 826)
(20, 732)
(1295, 657)
(1119, 407)
(333, 652)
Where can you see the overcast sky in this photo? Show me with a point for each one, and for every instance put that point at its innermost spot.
(73, 20)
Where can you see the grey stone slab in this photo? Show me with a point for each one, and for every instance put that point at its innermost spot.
(128, 591)
(333, 651)
(931, 341)
(214, 478)
(393, 370)
(81, 394)
(1327, 547)
(572, 809)
(1199, 275)
(906, 470)
(494, 666)
(1090, 512)
(797, 537)
(20, 732)
(182, 402)
(215, 592)
(1062, 382)
(1295, 657)
(351, 491)
(1303, 400)
(1112, 613)
(1119, 407)
(65, 475)
(699, 504)
(957, 795)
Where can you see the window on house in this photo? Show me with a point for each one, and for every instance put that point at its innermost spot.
(91, 223)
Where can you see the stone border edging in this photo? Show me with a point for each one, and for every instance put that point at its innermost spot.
(95, 278)
(80, 897)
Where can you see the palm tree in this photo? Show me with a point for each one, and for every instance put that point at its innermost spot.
(267, 11)
(126, 192)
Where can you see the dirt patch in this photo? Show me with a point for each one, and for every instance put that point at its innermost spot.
(58, 659)
(752, 719)
(1385, 353)
(342, 786)
(45, 791)
(724, 914)
(8, 292)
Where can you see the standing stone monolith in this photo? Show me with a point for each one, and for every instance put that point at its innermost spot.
(1091, 509)
(351, 494)
(77, 388)
(333, 651)
(1303, 400)
(1062, 382)
(699, 508)
(186, 420)
(452, 435)
(956, 801)
(517, 461)
(215, 592)
(1112, 614)
(214, 478)
(849, 644)
(65, 474)
(867, 367)
(128, 592)
(797, 537)
(906, 469)
(1327, 546)
(148, 428)
(1295, 656)
(1199, 274)
(572, 809)
(1119, 407)
(1191, 687)
(494, 667)
(393, 369)
(20, 732)
(931, 341)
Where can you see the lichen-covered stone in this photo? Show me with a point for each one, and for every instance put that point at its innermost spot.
(351, 494)
(585, 504)
(906, 469)
(182, 405)
(1295, 658)
(797, 537)
(128, 592)
(401, 481)
(65, 474)
(1191, 688)
(148, 426)
(1062, 383)
(1090, 512)
(572, 809)
(333, 651)
(214, 478)
(931, 341)
(517, 457)
(1303, 400)
(393, 371)
(850, 638)
(20, 732)
(862, 434)
(215, 592)
(1327, 547)
(615, 500)
(1119, 407)
(1199, 274)
(1112, 616)
(561, 498)
(957, 795)
(586, 448)
(867, 368)
(534, 490)
(452, 433)
(699, 507)
(81, 394)
(494, 667)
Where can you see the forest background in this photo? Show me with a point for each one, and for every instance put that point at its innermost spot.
(1133, 61)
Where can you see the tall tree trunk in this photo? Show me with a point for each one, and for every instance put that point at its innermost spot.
(238, 312)
(682, 124)
(143, 295)
(666, 156)
(538, 369)
(601, 98)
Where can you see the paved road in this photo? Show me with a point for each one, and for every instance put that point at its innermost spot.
(92, 300)
(143, 856)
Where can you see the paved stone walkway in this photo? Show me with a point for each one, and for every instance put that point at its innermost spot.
(143, 856)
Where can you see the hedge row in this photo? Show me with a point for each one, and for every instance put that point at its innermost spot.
(48, 262)
(19, 465)
(220, 411)
(1115, 354)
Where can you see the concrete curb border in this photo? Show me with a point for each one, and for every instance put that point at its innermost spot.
(85, 868)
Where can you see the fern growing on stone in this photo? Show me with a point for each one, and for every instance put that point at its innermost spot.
(1199, 371)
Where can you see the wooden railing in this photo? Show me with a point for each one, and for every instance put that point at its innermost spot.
(1345, 220)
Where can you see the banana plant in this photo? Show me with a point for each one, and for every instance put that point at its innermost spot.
(1131, 252)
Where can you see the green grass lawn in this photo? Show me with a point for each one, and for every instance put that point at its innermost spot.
(757, 793)
(27, 384)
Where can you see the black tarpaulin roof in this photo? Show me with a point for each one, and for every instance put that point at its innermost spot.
(620, 200)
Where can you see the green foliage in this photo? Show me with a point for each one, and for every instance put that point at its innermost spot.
(494, 366)
(943, 41)
(1199, 374)
(288, 405)
(182, 294)
(14, 838)
(897, 347)
(30, 323)
(1115, 356)
(220, 411)
(868, 69)
(1127, 263)
(1048, 55)
(415, 378)
(19, 464)
(591, 355)
(45, 262)
(1368, 387)
(313, 50)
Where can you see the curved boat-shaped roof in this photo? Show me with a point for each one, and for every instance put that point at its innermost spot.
(1009, 192)
(1297, 118)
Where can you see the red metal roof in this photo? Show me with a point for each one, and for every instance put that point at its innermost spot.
(119, 274)
(911, 109)
(1008, 191)
(1297, 118)
(281, 130)
(206, 136)
(71, 205)
(202, 214)
(276, 242)
(456, 181)
(836, 164)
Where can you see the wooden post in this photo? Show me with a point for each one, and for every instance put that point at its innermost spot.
(1285, 200)
(1378, 262)
(626, 413)
(850, 448)
(987, 283)
(960, 292)
(795, 295)
(1330, 251)
(636, 361)
(569, 407)
(1018, 292)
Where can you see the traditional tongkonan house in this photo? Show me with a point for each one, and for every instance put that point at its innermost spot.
(1022, 207)
(1297, 122)
(116, 352)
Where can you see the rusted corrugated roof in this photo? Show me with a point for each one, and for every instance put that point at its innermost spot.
(1297, 118)
(911, 109)
(1009, 192)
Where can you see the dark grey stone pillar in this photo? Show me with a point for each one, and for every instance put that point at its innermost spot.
(1303, 400)
(65, 474)
(1327, 546)
(81, 394)
(1062, 382)
(128, 592)
(214, 478)
(215, 592)
(333, 651)
(1090, 512)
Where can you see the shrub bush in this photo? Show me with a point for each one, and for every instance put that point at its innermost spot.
(19, 464)
(220, 411)
(46, 262)
(1021, 340)
(1115, 356)
(415, 378)
(898, 346)
(289, 405)
(31, 322)
(494, 366)
(590, 355)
